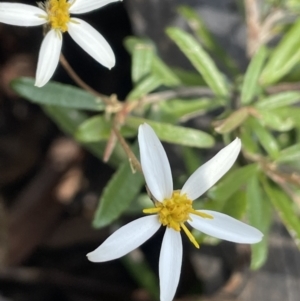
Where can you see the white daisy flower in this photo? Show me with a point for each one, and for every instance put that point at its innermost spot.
(56, 14)
(173, 209)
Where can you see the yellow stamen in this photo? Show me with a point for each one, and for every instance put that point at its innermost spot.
(201, 214)
(189, 235)
(151, 210)
(175, 211)
(58, 14)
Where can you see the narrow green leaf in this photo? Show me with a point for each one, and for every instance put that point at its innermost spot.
(148, 84)
(231, 183)
(278, 100)
(259, 215)
(248, 141)
(232, 122)
(290, 154)
(200, 60)
(191, 158)
(235, 206)
(158, 68)
(131, 43)
(117, 196)
(142, 58)
(57, 94)
(284, 57)
(188, 78)
(267, 141)
(183, 109)
(94, 129)
(97, 128)
(285, 208)
(204, 35)
(275, 122)
(291, 113)
(175, 134)
(250, 84)
(66, 119)
(293, 5)
(166, 75)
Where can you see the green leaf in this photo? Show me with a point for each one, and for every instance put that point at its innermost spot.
(166, 75)
(250, 84)
(278, 100)
(285, 208)
(200, 60)
(148, 84)
(117, 196)
(248, 141)
(267, 141)
(184, 109)
(97, 128)
(66, 119)
(231, 183)
(259, 215)
(235, 206)
(284, 57)
(191, 158)
(142, 58)
(189, 78)
(158, 68)
(57, 94)
(275, 122)
(204, 35)
(175, 134)
(232, 122)
(292, 113)
(290, 154)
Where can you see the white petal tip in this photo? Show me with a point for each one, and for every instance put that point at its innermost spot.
(257, 237)
(95, 256)
(91, 257)
(39, 85)
(238, 141)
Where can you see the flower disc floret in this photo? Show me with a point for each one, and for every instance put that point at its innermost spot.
(58, 14)
(175, 211)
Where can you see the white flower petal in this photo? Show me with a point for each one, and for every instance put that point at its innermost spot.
(84, 6)
(225, 227)
(170, 264)
(155, 164)
(48, 57)
(126, 239)
(211, 172)
(91, 41)
(21, 14)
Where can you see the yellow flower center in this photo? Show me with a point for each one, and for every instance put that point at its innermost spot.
(174, 212)
(58, 14)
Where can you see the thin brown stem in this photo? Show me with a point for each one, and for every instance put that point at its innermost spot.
(253, 26)
(134, 162)
(79, 81)
(283, 87)
(179, 92)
